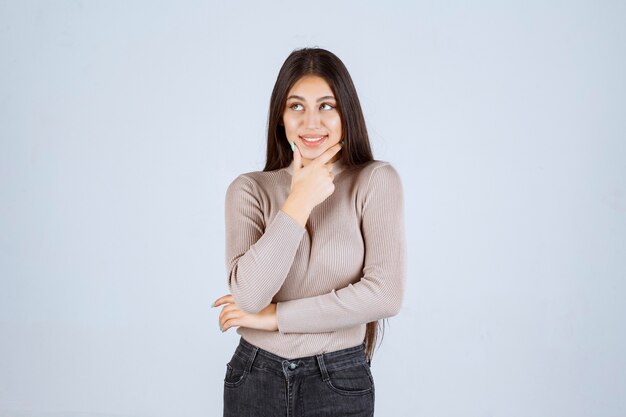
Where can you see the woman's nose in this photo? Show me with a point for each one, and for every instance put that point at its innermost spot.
(312, 119)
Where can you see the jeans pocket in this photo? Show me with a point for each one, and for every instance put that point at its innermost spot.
(236, 372)
(354, 380)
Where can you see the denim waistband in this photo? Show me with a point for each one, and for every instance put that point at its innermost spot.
(326, 362)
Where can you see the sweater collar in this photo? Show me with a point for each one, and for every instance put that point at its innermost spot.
(337, 167)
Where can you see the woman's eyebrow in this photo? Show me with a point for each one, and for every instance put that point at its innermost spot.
(319, 99)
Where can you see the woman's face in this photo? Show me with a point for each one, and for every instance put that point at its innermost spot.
(311, 113)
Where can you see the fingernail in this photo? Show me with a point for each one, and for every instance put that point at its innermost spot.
(213, 304)
(222, 330)
(293, 147)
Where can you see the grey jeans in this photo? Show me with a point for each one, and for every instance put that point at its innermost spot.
(258, 383)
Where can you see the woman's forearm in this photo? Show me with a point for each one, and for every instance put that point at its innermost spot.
(297, 208)
(258, 255)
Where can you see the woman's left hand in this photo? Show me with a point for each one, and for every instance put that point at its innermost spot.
(231, 316)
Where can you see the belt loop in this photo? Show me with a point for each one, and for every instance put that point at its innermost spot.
(320, 361)
(251, 358)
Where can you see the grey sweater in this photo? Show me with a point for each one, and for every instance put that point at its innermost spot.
(344, 269)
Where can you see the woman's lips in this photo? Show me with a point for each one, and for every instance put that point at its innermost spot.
(313, 144)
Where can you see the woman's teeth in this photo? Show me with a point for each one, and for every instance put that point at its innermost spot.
(314, 139)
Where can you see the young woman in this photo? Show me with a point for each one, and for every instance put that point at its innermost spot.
(315, 252)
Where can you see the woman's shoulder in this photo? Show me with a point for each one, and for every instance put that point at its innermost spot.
(377, 180)
(256, 180)
(373, 164)
(376, 167)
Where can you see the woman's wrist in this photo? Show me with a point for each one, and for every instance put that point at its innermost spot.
(297, 208)
(274, 318)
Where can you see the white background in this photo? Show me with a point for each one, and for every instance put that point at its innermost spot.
(123, 122)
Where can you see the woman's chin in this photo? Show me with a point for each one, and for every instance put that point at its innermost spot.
(312, 153)
(317, 151)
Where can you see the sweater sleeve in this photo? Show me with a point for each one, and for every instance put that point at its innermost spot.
(379, 292)
(258, 258)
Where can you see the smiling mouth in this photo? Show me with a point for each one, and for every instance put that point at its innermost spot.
(313, 139)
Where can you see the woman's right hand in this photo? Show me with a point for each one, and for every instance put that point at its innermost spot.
(313, 183)
(310, 185)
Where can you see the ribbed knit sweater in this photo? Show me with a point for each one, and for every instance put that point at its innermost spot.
(329, 279)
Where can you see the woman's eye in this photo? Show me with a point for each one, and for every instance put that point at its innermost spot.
(294, 106)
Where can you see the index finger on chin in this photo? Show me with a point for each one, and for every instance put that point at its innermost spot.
(327, 155)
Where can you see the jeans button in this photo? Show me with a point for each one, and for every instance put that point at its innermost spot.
(292, 366)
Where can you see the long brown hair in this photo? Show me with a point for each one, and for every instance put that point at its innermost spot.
(356, 149)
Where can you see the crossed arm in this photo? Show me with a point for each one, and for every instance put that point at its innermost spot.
(259, 258)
